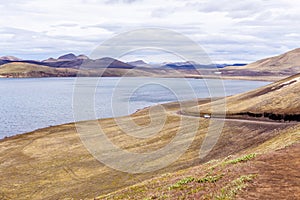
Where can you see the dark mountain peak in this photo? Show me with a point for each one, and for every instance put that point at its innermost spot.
(50, 60)
(82, 57)
(138, 62)
(107, 59)
(69, 56)
(111, 63)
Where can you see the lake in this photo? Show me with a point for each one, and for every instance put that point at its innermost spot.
(29, 104)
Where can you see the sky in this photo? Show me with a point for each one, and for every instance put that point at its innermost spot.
(229, 31)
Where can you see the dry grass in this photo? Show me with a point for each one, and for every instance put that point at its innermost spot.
(281, 97)
(280, 66)
(16, 69)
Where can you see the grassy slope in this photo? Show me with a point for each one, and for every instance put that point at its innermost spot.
(253, 170)
(248, 176)
(275, 68)
(280, 97)
(287, 62)
(52, 163)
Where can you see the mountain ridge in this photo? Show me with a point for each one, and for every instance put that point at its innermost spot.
(268, 69)
(283, 65)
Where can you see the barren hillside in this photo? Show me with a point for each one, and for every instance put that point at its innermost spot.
(280, 98)
(15, 69)
(284, 65)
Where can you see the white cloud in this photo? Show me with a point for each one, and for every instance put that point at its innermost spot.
(228, 30)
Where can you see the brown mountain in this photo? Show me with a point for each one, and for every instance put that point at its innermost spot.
(72, 61)
(281, 66)
(139, 63)
(66, 65)
(105, 62)
(69, 56)
(82, 61)
(25, 70)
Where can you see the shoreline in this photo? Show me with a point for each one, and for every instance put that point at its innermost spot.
(221, 77)
(98, 118)
(176, 104)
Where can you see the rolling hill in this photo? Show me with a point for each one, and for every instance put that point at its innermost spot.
(139, 63)
(284, 65)
(276, 101)
(27, 70)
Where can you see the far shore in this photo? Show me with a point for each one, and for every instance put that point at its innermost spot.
(225, 77)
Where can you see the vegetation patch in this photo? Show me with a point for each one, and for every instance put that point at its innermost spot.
(182, 182)
(273, 116)
(230, 191)
(210, 179)
(206, 179)
(244, 158)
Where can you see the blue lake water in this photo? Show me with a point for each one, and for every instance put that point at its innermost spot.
(29, 104)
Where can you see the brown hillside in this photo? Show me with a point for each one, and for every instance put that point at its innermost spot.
(281, 97)
(22, 69)
(16, 69)
(286, 64)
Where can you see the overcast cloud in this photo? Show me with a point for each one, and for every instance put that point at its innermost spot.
(229, 31)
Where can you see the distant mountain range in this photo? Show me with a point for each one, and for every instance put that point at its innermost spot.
(71, 65)
(72, 61)
(273, 68)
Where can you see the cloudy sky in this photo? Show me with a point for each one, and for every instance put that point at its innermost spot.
(228, 30)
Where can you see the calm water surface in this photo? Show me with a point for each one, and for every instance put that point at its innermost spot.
(29, 104)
